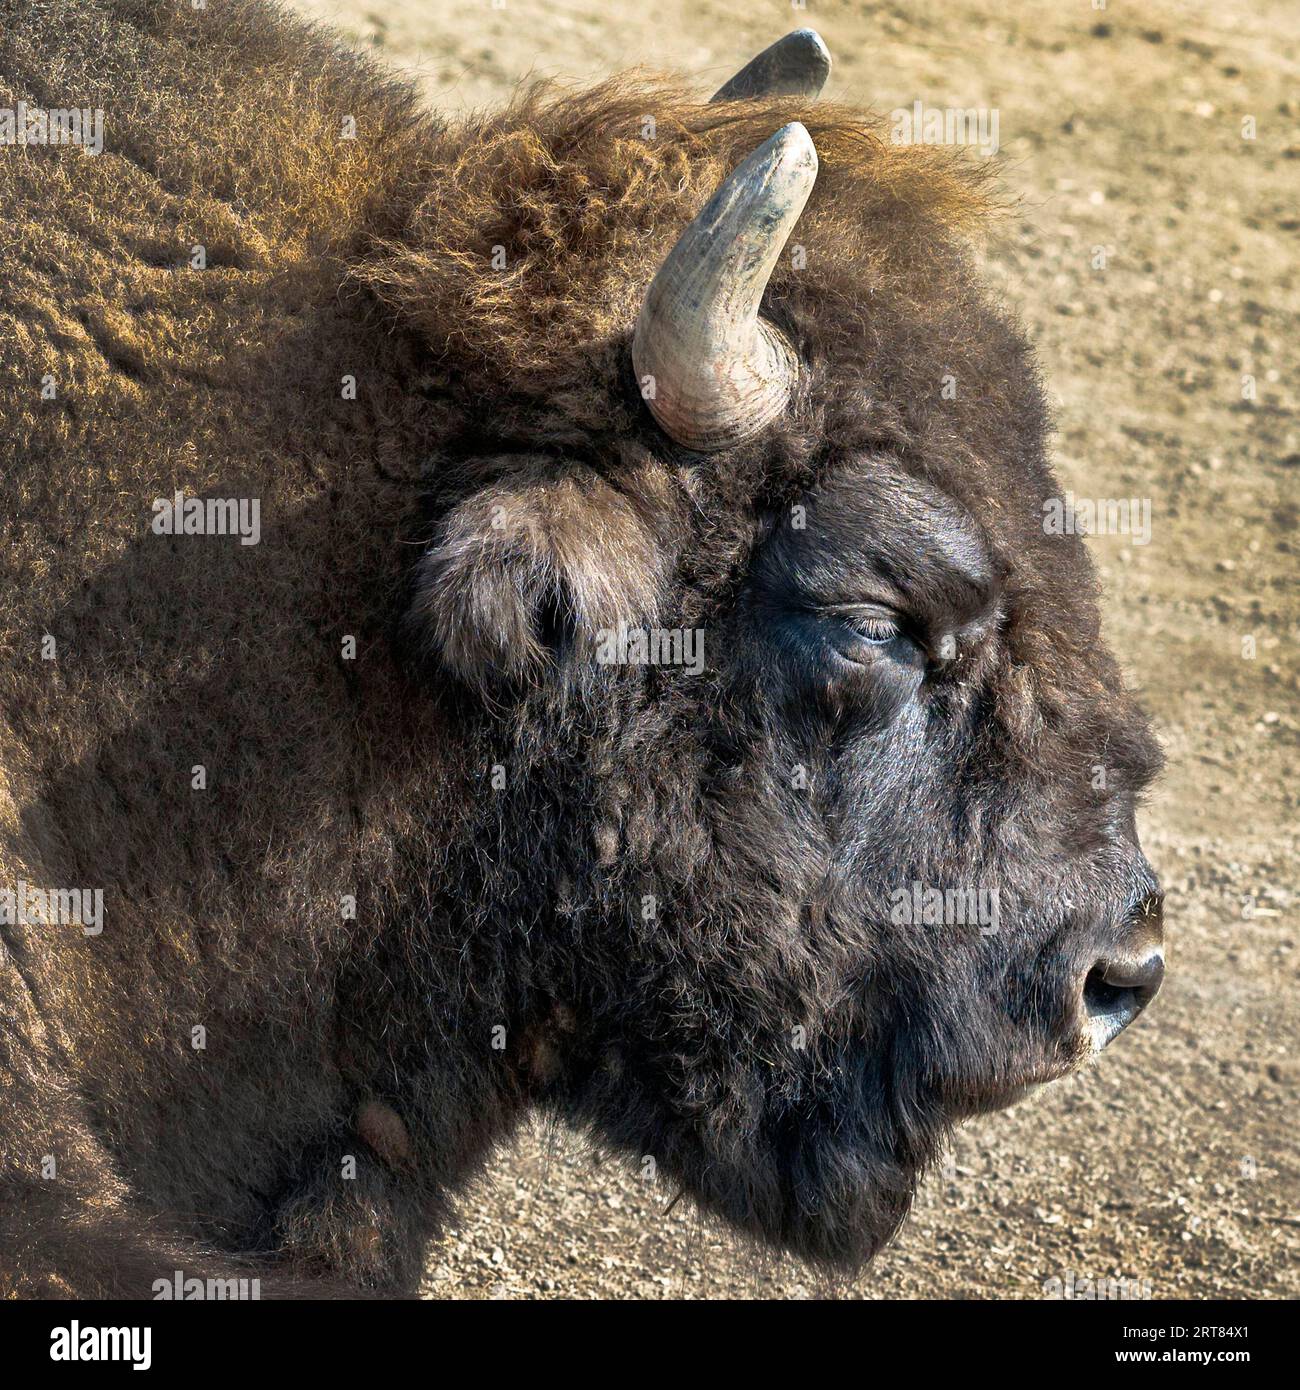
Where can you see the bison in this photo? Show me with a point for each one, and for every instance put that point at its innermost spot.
(546, 612)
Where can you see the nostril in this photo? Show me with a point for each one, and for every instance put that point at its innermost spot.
(1115, 992)
(1144, 975)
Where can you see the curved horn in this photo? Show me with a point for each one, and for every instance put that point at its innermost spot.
(795, 66)
(719, 372)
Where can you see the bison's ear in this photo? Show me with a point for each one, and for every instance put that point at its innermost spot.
(525, 573)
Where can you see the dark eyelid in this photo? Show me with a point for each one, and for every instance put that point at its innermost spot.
(869, 607)
(877, 610)
(874, 531)
(872, 612)
(909, 625)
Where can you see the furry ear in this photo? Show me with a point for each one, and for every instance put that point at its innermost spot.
(523, 567)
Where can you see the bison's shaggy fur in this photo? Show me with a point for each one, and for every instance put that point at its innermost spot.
(499, 810)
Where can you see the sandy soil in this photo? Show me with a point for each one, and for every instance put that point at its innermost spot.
(1176, 1162)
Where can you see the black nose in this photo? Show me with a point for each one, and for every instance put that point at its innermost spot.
(1117, 990)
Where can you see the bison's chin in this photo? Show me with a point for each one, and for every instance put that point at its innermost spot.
(835, 1212)
(823, 1172)
(828, 1186)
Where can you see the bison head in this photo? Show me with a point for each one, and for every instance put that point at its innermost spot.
(805, 822)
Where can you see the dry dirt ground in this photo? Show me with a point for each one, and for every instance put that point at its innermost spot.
(1175, 1163)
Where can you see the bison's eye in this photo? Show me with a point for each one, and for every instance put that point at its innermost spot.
(877, 629)
(866, 632)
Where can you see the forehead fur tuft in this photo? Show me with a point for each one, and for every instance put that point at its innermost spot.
(545, 223)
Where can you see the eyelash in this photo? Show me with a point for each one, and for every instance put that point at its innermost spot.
(874, 630)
